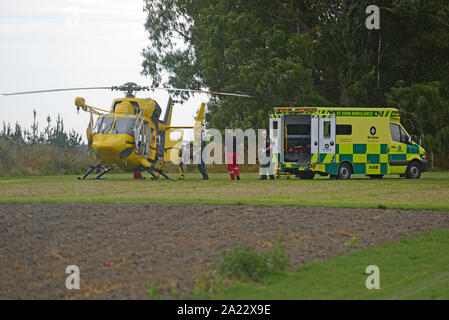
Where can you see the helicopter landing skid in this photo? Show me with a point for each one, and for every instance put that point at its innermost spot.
(92, 168)
(103, 173)
(155, 177)
(150, 171)
(162, 174)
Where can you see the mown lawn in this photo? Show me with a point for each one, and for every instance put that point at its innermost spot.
(429, 192)
(411, 269)
(416, 268)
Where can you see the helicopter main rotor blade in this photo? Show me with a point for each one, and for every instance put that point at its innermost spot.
(202, 91)
(54, 90)
(130, 87)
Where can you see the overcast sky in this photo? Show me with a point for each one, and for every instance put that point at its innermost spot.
(48, 44)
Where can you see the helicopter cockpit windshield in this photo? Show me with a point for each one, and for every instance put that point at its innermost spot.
(122, 125)
(104, 125)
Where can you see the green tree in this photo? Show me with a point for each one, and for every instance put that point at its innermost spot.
(286, 52)
(424, 111)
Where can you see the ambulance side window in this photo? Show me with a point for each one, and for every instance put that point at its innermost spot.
(275, 129)
(397, 133)
(327, 129)
(344, 129)
(404, 136)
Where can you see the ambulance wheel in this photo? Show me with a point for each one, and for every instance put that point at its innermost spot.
(413, 170)
(344, 171)
(376, 176)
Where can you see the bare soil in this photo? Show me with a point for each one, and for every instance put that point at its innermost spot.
(122, 250)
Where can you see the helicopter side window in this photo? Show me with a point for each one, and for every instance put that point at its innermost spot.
(98, 125)
(124, 126)
(147, 140)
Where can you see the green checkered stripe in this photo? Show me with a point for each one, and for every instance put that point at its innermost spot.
(364, 158)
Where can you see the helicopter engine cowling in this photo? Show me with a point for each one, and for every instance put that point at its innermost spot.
(124, 107)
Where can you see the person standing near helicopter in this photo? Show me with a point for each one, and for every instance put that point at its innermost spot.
(198, 146)
(231, 159)
(266, 163)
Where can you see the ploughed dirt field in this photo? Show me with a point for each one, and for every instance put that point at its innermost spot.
(122, 250)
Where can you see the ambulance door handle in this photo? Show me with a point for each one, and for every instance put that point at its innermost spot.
(393, 147)
(332, 143)
(315, 143)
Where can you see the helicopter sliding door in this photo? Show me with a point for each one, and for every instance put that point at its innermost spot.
(139, 135)
(147, 146)
(144, 135)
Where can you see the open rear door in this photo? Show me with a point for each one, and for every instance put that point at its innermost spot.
(276, 137)
(326, 143)
(323, 135)
(314, 133)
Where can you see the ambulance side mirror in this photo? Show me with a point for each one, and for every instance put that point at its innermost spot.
(410, 140)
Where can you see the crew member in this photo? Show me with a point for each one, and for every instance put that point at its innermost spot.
(181, 164)
(199, 154)
(231, 160)
(266, 166)
(138, 174)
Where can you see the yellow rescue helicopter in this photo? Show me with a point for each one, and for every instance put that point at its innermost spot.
(131, 136)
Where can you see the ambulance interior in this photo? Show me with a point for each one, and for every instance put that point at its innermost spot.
(297, 138)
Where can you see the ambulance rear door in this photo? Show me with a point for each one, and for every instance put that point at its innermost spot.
(323, 134)
(276, 137)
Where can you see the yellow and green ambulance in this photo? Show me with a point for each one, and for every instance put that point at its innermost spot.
(341, 141)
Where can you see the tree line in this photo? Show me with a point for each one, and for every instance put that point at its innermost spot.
(47, 151)
(286, 52)
(52, 134)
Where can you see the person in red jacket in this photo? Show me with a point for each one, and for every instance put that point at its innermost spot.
(138, 175)
(231, 160)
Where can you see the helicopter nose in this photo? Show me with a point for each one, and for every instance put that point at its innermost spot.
(108, 146)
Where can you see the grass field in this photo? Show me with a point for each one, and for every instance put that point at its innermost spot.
(410, 269)
(430, 192)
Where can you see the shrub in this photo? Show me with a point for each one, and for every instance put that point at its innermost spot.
(18, 159)
(244, 263)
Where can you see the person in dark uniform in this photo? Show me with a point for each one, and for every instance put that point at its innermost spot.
(266, 167)
(199, 154)
(181, 163)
